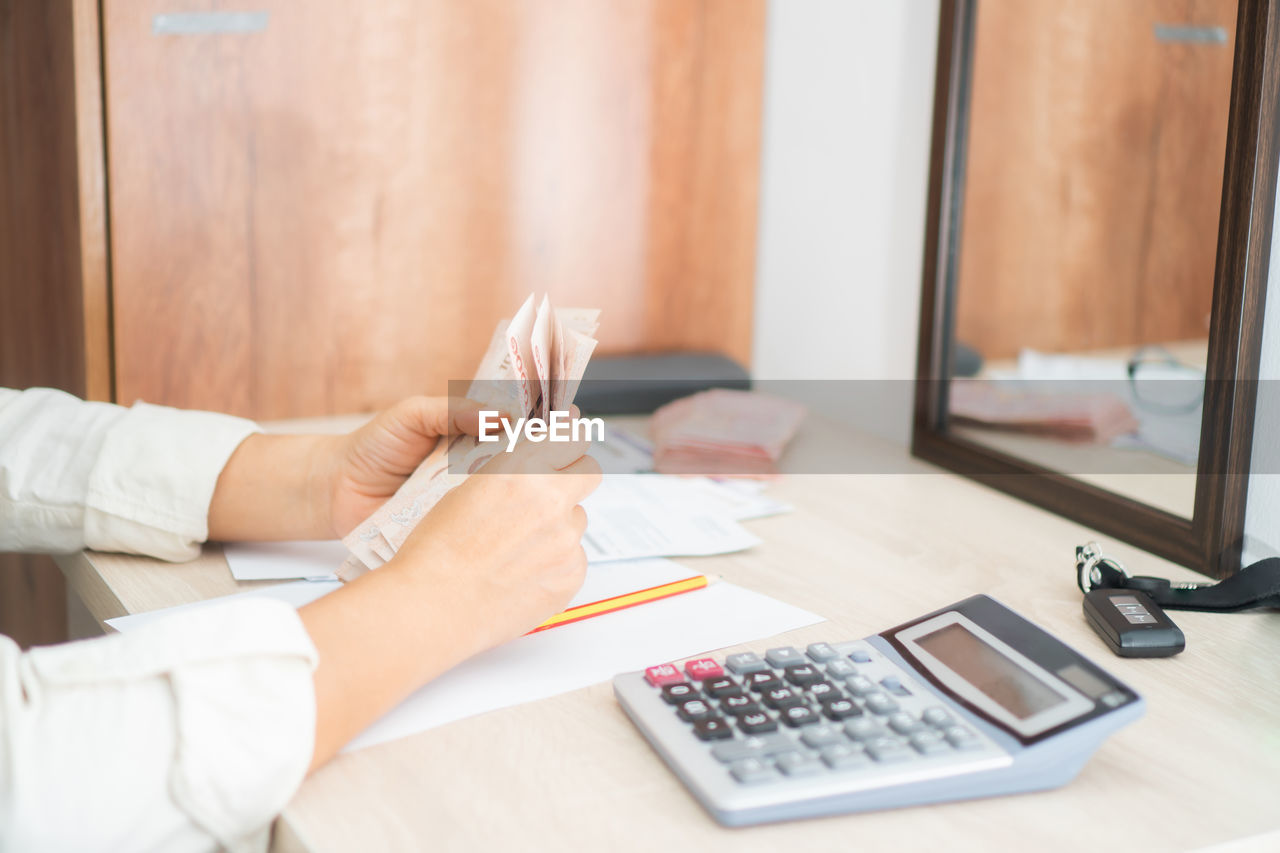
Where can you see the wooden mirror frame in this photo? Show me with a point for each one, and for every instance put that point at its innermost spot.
(1211, 540)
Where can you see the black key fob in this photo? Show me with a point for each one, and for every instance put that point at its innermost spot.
(1132, 624)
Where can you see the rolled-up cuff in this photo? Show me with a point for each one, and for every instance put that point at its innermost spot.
(150, 489)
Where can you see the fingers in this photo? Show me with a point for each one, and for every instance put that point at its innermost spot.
(431, 417)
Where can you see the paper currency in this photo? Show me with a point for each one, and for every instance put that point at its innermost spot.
(533, 365)
(723, 431)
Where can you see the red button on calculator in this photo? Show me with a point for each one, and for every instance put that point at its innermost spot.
(703, 668)
(662, 674)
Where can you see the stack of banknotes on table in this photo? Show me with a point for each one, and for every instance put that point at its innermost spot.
(722, 431)
(533, 365)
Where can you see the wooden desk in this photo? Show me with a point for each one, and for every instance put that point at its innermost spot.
(867, 552)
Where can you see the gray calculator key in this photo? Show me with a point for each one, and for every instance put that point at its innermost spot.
(929, 743)
(798, 764)
(878, 703)
(887, 750)
(904, 724)
(751, 770)
(894, 685)
(784, 656)
(753, 746)
(820, 652)
(842, 756)
(860, 685)
(860, 656)
(745, 662)
(960, 737)
(822, 735)
(864, 728)
(841, 668)
(937, 717)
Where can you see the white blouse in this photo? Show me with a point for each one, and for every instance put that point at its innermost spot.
(185, 734)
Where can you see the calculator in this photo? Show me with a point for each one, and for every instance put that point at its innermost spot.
(968, 701)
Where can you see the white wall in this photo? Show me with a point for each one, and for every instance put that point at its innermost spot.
(848, 111)
(1262, 509)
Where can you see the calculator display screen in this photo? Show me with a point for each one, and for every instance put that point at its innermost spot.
(995, 675)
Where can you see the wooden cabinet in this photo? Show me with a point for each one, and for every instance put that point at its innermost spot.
(302, 207)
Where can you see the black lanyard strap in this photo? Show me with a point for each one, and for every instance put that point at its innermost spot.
(1256, 585)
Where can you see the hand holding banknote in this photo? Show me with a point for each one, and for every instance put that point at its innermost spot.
(361, 470)
(533, 365)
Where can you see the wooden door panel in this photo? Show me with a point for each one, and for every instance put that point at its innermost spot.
(332, 212)
(1093, 176)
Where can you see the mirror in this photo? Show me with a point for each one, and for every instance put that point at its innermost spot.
(1089, 260)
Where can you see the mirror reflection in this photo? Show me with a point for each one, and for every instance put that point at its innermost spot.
(1091, 187)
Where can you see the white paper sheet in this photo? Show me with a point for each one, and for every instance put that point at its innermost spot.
(260, 561)
(647, 515)
(622, 452)
(565, 658)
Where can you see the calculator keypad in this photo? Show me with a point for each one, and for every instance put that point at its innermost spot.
(790, 714)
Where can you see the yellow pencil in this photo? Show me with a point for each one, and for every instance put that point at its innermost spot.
(620, 602)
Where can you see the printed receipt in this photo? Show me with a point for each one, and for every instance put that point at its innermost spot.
(630, 517)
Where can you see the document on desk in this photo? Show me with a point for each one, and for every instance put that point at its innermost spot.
(649, 515)
(262, 561)
(567, 658)
(629, 517)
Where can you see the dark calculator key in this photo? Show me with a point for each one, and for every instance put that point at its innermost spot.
(841, 668)
(755, 723)
(677, 693)
(718, 688)
(736, 706)
(821, 651)
(782, 697)
(840, 709)
(692, 710)
(712, 728)
(761, 681)
(823, 691)
(799, 715)
(802, 674)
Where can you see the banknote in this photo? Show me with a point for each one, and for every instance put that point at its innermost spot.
(533, 365)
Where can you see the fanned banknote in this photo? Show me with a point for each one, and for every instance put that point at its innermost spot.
(533, 365)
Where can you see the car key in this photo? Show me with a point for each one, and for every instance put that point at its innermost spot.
(1131, 624)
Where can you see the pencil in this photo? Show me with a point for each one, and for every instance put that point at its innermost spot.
(621, 602)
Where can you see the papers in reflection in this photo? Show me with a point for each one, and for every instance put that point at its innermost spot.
(629, 517)
(565, 658)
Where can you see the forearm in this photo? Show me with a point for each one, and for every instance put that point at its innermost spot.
(274, 487)
(379, 638)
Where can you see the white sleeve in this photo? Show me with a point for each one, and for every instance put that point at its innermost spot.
(180, 735)
(79, 475)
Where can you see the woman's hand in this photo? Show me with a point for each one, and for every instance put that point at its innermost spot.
(494, 558)
(364, 468)
(322, 486)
